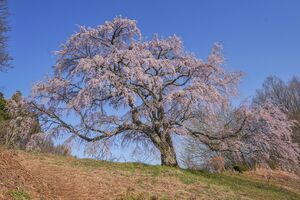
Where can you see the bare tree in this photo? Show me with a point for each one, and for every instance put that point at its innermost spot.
(4, 56)
(118, 85)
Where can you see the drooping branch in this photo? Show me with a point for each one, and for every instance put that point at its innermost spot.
(114, 83)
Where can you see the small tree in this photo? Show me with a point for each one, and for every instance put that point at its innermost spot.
(20, 128)
(19, 124)
(3, 109)
(119, 85)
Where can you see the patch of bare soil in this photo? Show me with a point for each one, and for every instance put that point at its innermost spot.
(15, 177)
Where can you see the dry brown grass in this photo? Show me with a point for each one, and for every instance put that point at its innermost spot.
(44, 176)
(72, 182)
(280, 178)
(14, 177)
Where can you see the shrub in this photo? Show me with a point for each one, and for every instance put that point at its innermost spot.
(240, 168)
(46, 145)
(272, 164)
(217, 164)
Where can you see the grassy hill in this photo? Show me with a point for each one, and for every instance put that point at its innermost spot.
(26, 176)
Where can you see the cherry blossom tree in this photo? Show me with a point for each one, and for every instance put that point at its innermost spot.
(286, 95)
(119, 85)
(250, 134)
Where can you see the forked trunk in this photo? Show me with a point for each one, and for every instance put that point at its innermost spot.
(165, 146)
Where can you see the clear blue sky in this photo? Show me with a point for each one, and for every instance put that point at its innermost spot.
(260, 37)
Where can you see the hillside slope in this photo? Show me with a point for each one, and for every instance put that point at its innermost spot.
(41, 176)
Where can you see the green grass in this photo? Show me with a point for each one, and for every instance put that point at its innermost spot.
(244, 186)
(19, 194)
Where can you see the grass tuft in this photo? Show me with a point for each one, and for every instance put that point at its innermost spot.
(19, 194)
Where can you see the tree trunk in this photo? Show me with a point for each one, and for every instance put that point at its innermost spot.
(168, 156)
(165, 146)
(167, 151)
